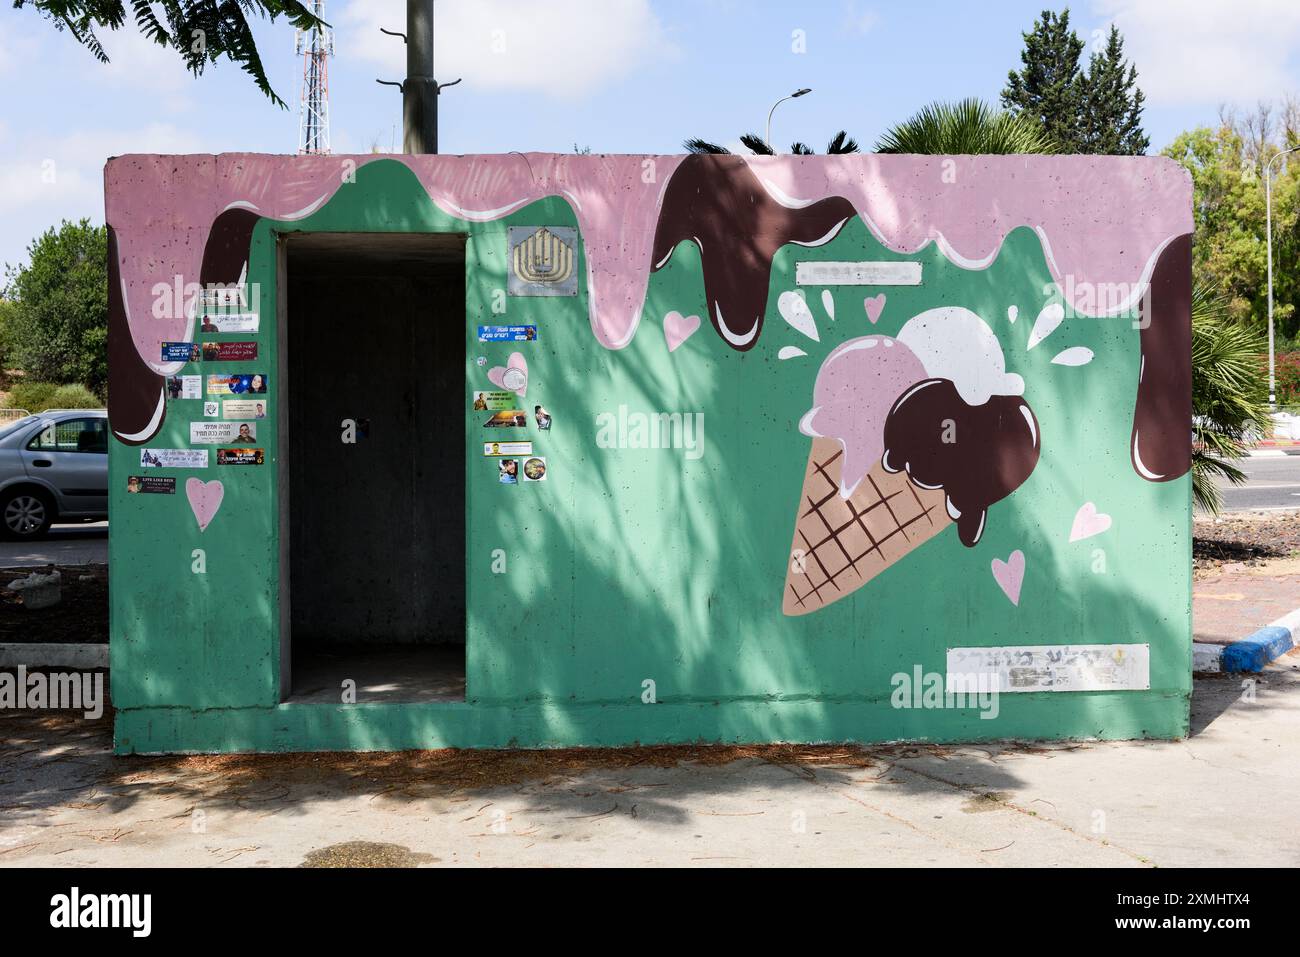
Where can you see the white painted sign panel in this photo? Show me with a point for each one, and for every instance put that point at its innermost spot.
(857, 274)
(1052, 667)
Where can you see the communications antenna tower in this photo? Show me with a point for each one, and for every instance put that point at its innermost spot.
(316, 46)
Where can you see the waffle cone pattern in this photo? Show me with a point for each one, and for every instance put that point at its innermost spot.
(840, 543)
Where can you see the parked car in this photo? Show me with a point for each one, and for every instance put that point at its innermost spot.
(53, 467)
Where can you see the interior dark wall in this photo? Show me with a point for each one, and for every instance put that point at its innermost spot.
(377, 529)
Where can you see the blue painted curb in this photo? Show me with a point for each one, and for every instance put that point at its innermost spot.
(1270, 642)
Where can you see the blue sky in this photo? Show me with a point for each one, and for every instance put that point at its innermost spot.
(616, 75)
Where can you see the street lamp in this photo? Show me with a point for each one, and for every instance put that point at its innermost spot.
(796, 93)
(1268, 227)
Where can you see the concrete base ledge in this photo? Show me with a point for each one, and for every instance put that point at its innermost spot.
(79, 657)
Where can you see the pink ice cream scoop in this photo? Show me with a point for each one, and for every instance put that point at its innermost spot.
(856, 387)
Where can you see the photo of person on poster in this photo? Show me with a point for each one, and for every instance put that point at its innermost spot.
(509, 469)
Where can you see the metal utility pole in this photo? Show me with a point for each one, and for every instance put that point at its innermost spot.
(419, 90)
(1268, 221)
(316, 46)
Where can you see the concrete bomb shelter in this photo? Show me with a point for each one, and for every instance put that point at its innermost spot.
(549, 450)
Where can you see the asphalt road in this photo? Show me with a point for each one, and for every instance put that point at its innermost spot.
(1273, 482)
(66, 545)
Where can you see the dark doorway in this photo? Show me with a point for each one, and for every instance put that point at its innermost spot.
(373, 358)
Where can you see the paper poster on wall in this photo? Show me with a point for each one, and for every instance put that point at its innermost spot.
(491, 401)
(213, 433)
(243, 409)
(151, 484)
(543, 418)
(1052, 667)
(229, 351)
(508, 471)
(535, 469)
(180, 352)
(543, 261)
(506, 334)
(509, 419)
(173, 458)
(507, 448)
(185, 387)
(240, 456)
(213, 409)
(237, 383)
(230, 322)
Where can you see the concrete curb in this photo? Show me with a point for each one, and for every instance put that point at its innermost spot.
(1253, 652)
(80, 657)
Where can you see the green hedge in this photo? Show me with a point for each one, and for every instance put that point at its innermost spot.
(39, 396)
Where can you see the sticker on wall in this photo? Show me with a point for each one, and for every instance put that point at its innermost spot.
(543, 418)
(230, 322)
(180, 352)
(214, 433)
(535, 469)
(240, 456)
(508, 471)
(229, 351)
(253, 383)
(505, 334)
(513, 375)
(507, 448)
(173, 458)
(205, 498)
(185, 387)
(151, 484)
(1051, 668)
(543, 261)
(212, 409)
(508, 419)
(242, 408)
(492, 401)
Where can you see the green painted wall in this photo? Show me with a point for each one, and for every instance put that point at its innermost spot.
(636, 564)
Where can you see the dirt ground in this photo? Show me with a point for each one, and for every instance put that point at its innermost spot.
(82, 615)
(1248, 539)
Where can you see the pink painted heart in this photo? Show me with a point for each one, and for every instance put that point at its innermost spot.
(205, 498)
(513, 376)
(1010, 575)
(679, 328)
(1088, 522)
(875, 306)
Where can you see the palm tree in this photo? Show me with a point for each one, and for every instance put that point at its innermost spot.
(841, 142)
(969, 126)
(1229, 397)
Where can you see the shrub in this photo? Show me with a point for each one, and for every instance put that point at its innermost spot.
(32, 396)
(1287, 370)
(74, 396)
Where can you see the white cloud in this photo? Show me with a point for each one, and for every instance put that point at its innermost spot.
(857, 20)
(559, 48)
(1206, 52)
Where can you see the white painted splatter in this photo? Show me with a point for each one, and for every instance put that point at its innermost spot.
(828, 303)
(1046, 323)
(1074, 356)
(1013, 313)
(790, 352)
(795, 311)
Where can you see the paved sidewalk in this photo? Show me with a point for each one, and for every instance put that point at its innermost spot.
(1242, 599)
(1213, 799)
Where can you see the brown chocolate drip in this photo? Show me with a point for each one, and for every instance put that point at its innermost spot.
(991, 448)
(1161, 444)
(226, 251)
(718, 202)
(134, 389)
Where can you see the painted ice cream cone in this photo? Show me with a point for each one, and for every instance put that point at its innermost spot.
(842, 543)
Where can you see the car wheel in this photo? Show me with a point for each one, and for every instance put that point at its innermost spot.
(25, 514)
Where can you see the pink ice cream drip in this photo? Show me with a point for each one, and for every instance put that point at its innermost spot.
(856, 387)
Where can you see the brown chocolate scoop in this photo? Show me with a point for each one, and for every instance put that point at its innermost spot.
(978, 454)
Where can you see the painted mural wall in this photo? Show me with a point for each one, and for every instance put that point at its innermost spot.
(825, 436)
